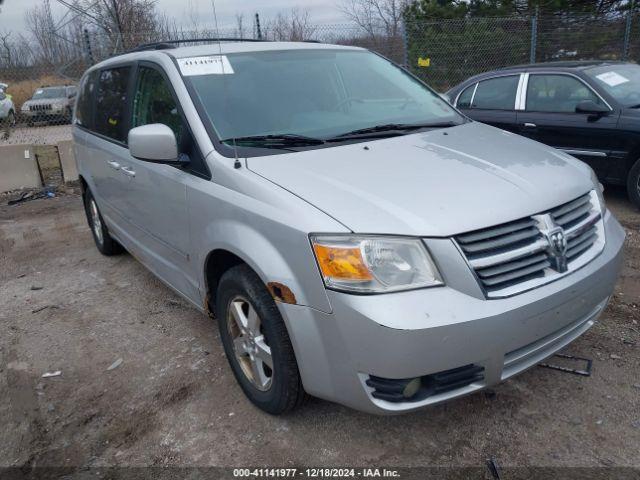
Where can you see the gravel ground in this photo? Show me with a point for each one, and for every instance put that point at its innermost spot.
(173, 401)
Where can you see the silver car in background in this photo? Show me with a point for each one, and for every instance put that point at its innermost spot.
(50, 104)
(355, 236)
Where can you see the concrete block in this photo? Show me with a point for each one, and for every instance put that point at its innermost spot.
(68, 161)
(18, 168)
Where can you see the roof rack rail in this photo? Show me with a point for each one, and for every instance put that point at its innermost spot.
(169, 44)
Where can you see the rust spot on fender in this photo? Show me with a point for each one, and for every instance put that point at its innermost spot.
(281, 293)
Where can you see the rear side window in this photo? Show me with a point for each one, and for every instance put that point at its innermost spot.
(497, 93)
(464, 100)
(84, 110)
(111, 103)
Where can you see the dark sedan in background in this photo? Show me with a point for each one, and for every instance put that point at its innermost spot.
(590, 110)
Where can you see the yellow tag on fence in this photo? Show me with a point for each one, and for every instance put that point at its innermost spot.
(424, 62)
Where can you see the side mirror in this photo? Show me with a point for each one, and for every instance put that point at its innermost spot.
(154, 143)
(591, 107)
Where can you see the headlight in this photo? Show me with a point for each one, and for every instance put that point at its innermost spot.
(372, 264)
(599, 188)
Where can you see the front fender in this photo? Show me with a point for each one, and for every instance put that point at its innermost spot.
(265, 226)
(289, 265)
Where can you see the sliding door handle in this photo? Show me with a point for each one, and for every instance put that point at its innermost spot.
(127, 171)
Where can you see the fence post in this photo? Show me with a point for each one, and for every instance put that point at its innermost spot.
(627, 31)
(258, 30)
(87, 46)
(405, 44)
(534, 36)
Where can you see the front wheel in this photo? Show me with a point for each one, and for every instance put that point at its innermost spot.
(105, 243)
(633, 184)
(256, 342)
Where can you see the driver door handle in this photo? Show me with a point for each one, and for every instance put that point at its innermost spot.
(114, 165)
(127, 171)
(530, 125)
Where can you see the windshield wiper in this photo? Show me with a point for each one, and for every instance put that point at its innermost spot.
(274, 141)
(389, 129)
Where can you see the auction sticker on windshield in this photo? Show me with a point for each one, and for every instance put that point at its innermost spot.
(209, 65)
(612, 78)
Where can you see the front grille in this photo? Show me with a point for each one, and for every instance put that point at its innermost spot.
(437, 383)
(519, 255)
(40, 108)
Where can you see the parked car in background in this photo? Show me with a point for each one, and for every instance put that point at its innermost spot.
(50, 104)
(590, 110)
(355, 236)
(7, 108)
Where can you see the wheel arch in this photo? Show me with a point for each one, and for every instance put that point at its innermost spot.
(217, 263)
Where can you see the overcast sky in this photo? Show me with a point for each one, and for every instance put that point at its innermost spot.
(321, 11)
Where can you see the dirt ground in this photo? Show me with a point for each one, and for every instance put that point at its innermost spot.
(174, 401)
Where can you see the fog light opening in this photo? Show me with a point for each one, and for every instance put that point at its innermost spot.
(411, 388)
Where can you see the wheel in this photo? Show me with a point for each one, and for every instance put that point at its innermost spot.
(256, 342)
(633, 184)
(106, 245)
(11, 119)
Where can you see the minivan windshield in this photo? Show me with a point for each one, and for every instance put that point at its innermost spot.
(622, 82)
(305, 95)
(49, 93)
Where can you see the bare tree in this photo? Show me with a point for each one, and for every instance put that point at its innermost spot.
(294, 25)
(376, 17)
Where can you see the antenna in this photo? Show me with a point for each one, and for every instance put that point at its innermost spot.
(237, 163)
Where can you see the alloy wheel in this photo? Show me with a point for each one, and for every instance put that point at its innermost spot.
(95, 220)
(249, 343)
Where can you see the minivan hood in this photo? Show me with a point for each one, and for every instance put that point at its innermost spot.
(437, 183)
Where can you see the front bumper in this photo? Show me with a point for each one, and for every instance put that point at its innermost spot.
(41, 114)
(417, 333)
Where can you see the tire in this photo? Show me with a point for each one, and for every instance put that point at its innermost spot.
(633, 184)
(104, 242)
(11, 119)
(277, 389)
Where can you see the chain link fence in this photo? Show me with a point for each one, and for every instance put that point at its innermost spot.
(35, 78)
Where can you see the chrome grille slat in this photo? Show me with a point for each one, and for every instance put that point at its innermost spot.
(494, 232)
(568, 207)
(581, 243)
(523, 272)
(518, 255)
(509, 266)
(501, 241)
(502, 257)
(573, 215)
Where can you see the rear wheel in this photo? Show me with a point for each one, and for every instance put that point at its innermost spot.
(105, 243)
(633, 184)
(11, 119)
(256, 342)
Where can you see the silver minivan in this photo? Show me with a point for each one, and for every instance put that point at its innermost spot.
(356, 237)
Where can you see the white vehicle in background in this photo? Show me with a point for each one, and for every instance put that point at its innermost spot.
(7, 109)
